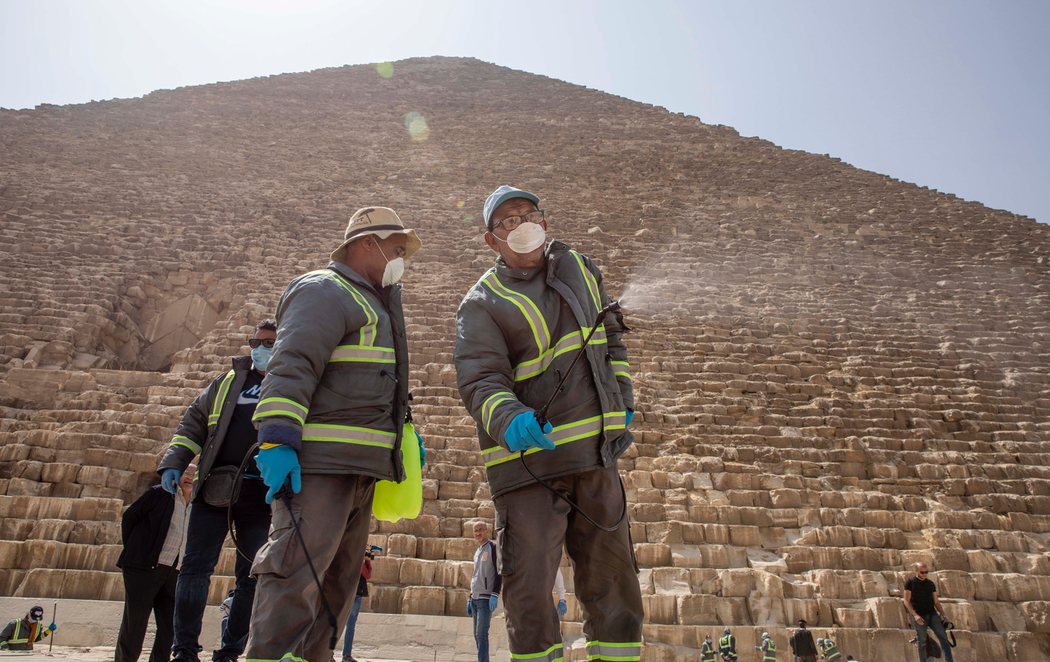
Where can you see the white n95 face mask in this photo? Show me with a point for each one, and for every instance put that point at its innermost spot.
(526, 238)
(393, 271)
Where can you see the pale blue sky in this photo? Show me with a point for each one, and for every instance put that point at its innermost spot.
(948, 94)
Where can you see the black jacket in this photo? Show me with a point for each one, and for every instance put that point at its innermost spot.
(802, 643)
(144, 527)
(203, 428)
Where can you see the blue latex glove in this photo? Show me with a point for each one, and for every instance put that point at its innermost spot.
(422, 451)
(524, 432)
(493, 599)
(278, 465)
(562, 608)
(630, 417)
(169, 480)
(470, 607)
(52, 627)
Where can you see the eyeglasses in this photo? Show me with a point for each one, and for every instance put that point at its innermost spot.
(922, 572)
(511, 222)
(265, 342)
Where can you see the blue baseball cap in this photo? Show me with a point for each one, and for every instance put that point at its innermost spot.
(501, 195)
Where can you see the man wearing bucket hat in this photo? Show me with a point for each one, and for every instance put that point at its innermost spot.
(517, 333)
(330, 420)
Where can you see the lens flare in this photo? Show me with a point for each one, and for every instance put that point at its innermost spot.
(385, 69)
(460, 204)
(417, 126)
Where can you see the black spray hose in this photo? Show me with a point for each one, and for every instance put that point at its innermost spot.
(541, 418)
(237, 490)
(285, 496)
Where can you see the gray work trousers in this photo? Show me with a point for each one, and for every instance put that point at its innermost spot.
(532, 525)
(333, 511)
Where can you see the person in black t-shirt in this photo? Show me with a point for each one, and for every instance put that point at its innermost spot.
(218, 427)
(920, 599)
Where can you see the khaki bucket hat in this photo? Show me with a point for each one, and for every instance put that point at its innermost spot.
(380, 221)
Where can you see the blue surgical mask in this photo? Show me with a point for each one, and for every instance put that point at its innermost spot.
(261, 357)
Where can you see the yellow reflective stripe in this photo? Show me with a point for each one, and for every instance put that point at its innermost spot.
(368, 331)
(220, 397)
(14, 635)
(362, 354)
(280, 407)
(182, 440)
(527, 308)
(488, 407)
(589, 279)
(348, 434)
(560, 435)
(552, 654)
(614, 650)
(567, 343)
(615, 420)
(624, 369)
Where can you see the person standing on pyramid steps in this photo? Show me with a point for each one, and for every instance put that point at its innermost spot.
(517, 331)
(727, 646)
(920, 599)
(153, 531)
(218, 428)
(803, 648)
(332, 421)
(707, 650)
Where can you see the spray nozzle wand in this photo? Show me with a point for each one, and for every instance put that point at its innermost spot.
(541, 415)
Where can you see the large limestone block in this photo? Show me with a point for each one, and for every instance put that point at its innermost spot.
(1025, 646)
(766, 560)
(764, 610)
(661, 608)
(733, 611)
(698, 610)
(1004, 617)
(850, 617)
(1037, 616)
(888, 612)
(955, 584)
(417, 572)
(736, 582)
(423, 600)
(962, 614)
(400, 544)
(670, 581)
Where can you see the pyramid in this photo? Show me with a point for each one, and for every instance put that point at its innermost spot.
(837, 373)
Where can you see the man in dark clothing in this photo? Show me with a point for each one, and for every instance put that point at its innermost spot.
(803, 648)
(153, 530)
(727, 646)
(218, 427)
(517, 332)
(920, 599)
(21, 633)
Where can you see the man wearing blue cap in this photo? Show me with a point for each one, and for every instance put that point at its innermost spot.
(517, 332)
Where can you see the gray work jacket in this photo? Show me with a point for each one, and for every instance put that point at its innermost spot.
(336, 388)
(515, 331)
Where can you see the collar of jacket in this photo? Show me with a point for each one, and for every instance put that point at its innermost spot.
(346, 271)
(242, 363)
(555, 249)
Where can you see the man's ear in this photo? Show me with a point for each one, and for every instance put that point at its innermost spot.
(492, 242)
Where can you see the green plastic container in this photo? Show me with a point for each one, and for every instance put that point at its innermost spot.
(396, 501)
